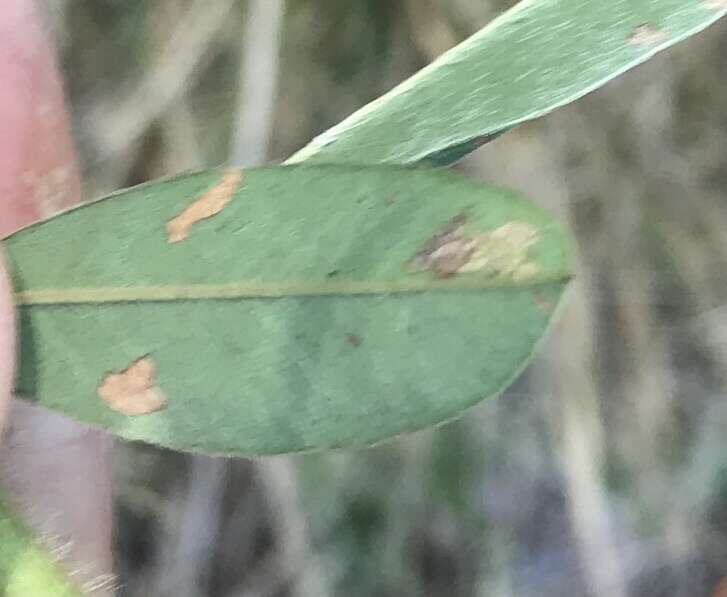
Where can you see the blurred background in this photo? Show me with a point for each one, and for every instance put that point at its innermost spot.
(601, 472)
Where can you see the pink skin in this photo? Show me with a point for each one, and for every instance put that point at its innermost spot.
(54, 470)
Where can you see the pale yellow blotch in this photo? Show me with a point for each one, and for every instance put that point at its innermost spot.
(208, 205)
(133, 392)
(647, 35)
(504, 251)
(500, 252)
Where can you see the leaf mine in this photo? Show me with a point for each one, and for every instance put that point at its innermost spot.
(133, 392)
(503, 251)
(208, 205)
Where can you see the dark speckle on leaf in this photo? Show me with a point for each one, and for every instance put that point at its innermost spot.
(354, 340)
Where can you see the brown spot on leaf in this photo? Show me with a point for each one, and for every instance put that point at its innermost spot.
(208, 205)
(647, 35)
(133, 392)
(447, 251)
(503, 251)
(354, 340)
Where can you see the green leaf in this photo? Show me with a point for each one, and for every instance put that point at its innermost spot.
(26, 568)
(321, 307)
(538, 56)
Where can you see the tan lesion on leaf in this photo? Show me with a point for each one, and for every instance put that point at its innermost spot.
(647, 35)
(133, 391)
(716, 4)
(208, 205)
(447, 251)
(502, 251)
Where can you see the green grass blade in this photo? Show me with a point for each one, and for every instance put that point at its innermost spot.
(320, 307)
(536, 57)
(26, 568)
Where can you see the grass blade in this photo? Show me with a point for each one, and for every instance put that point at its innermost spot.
(538, 56)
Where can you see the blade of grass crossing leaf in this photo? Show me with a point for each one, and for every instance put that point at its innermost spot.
(538, 56)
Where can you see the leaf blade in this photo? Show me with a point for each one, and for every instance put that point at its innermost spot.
(257, 374)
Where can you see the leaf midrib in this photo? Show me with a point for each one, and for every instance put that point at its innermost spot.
(249, 290)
